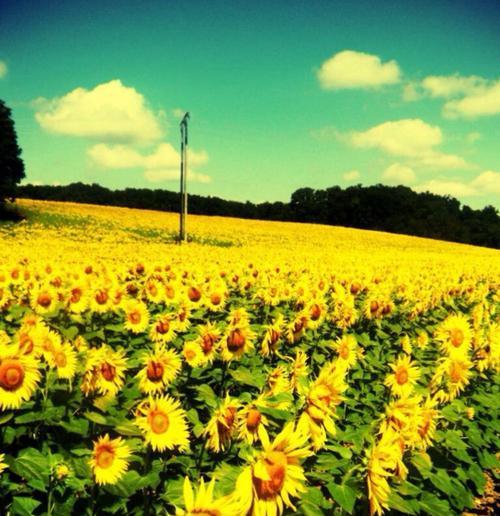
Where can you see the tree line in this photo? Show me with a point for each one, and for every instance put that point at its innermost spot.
(396, 209)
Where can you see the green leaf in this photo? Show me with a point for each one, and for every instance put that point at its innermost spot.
(400, 504)
(23, 506)
(431, 504)
(207, 395)
(6, 418)
(31, 464)
(76, 426)
(95, 417)
(442, 481)
(344, 495)
(129, 484)
(477, 476)
(246, 377)
(284, 415)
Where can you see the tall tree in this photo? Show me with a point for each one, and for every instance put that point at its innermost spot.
(11, 164)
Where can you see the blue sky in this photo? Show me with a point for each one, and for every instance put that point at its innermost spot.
(282, 94)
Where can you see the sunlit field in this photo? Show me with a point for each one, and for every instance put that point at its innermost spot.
(262, 368)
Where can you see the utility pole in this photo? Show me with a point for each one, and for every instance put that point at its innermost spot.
(184, 168)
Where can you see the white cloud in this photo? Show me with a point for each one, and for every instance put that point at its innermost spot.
(3, 69)
(448, 86)
(351, 69)
(110, 112)
(447, 187)
(443, 161)
(398, 174)
(487, 182)
(482, 101)
(407, 137)
(173, 174)
(122, 156)
(351, 175)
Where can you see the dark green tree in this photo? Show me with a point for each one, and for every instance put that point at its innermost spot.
(11, 164)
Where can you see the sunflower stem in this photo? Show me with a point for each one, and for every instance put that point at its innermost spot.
(200, 456)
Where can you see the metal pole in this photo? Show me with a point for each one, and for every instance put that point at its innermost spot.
(184, 168)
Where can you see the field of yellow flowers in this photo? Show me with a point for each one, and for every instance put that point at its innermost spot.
(263, 368)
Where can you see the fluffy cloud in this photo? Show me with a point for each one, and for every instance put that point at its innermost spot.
(398, 174)
(448, 86)
(162, 164)
(3, 69)
(123, 156)
(487, 182)
(483, 101)
(447, 187)
(110, 112)
(407, 137)
(410, 138)
(351, 69)
(160, 175)
(351, 175)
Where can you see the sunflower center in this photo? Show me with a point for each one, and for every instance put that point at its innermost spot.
(215, 299)
(253, 419)
(101, 297)
(108, 371)
(44, 300)
(236, 340)
(11, 375)
(60, 359)
(344, 351)
(373, 306)
(315, 312)
(76, 295)
(456, 337)
(155, 371)
(275, 336)
(455, 372)
(169, 292)
(194, 294)
(134, 317)
(402, 376)
(162, 326)
(105, 457)
(26, 344)
(159, 422)
(275, 463)
(207, 343)
(424, 428)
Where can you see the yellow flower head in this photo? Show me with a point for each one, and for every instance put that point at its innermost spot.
(404, 376)
(109, 459)
(160, 368)
(163, 424)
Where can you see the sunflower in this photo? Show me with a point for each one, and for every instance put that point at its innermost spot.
(104, 371)
(64, 359)
(77, 298)
(296, 328)
(275, 475)
(404, 417)
(163, 423)
(193, 353)
(182, 322)
(252, 423)
(160, 368)
(203, 504)
(404, 376)
(109, 459)
(163, 328)
(136, 316)
(154, 291)
(272, 336)
(455, 335)
(456, 373)
(427, 427)
(100, 300)
(316, 311)
(222, 426)
(278, 381)
(209, 338)
(346, 347)
(45, 300)
(299, 371)
(237, 341)
(19, 377)
(384, 459)
(215, 298)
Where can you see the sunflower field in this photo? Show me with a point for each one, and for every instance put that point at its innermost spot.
(261, 369)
